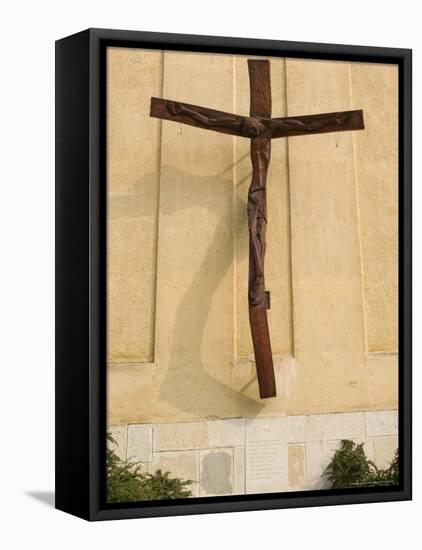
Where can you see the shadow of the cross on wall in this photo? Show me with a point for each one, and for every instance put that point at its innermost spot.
(187, 384)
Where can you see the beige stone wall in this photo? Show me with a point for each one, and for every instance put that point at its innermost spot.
(264, 455)
(179, 345)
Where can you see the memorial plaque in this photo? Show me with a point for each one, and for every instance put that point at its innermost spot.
(266, 455)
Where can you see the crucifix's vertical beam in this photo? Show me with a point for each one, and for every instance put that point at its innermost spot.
(260, 106)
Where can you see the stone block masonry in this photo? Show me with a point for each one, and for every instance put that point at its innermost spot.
(243, 455)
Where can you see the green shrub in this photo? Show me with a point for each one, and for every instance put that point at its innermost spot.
(127, 483)
(351, 468)
(390, 476)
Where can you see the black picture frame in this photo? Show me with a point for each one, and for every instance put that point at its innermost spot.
(81, 262)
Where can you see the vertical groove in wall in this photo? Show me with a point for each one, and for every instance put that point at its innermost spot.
(364, 320)
(289, 221)
(157, 215)
(234, 276)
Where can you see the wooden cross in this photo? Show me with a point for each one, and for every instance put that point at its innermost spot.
(260, 128)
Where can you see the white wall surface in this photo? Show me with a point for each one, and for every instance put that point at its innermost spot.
(27, 273)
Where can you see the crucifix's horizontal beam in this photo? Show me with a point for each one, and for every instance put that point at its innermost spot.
(252, 127)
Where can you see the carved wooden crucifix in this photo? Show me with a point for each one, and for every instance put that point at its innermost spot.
(260, 128)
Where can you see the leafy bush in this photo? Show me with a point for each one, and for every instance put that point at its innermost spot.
(390, 476)
(127, 483)
(351, 468)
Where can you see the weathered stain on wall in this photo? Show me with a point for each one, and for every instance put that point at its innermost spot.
(179, 345)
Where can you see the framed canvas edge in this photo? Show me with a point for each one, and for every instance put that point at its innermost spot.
(72, 300)
(99, 39)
